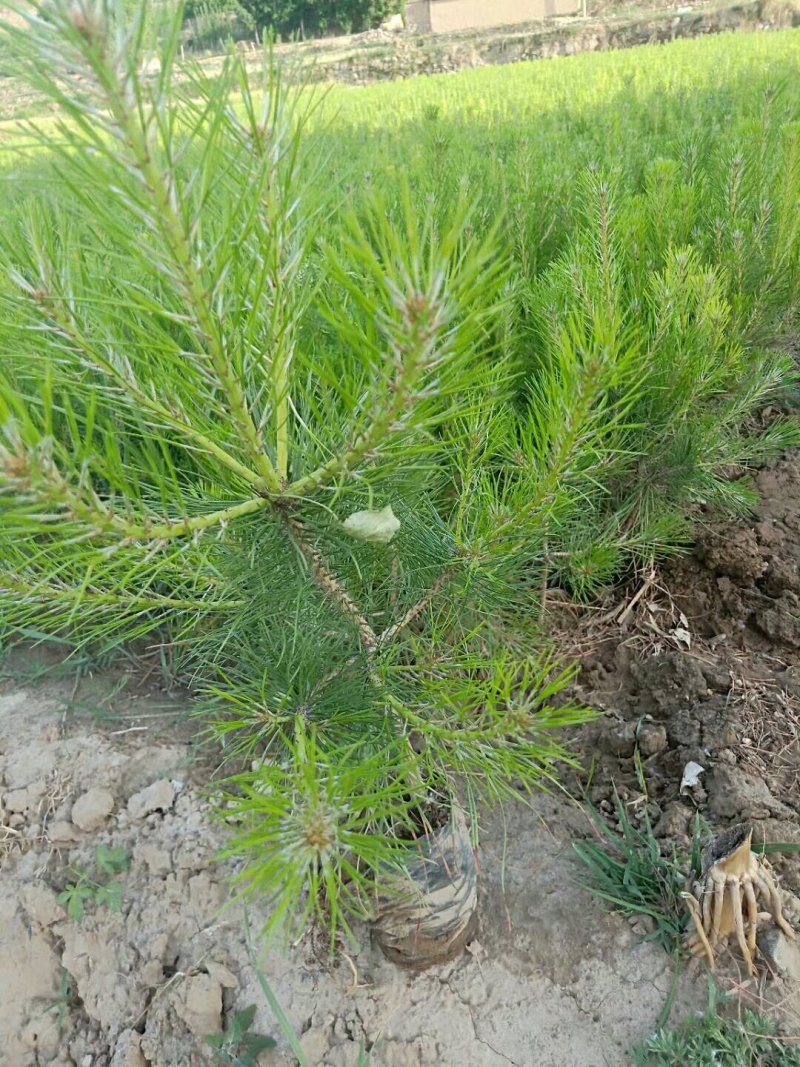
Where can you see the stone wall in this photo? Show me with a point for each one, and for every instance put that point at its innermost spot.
(388, 56)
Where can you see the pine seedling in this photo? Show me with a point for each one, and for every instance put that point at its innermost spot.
(310, 450)
(274, 453)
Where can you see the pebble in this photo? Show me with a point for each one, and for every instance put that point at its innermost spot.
(675, 820)
(92, 808)
(652, 739)
(227, 979)
(200, 1005)
(620, 740)
(128, 1052)
(61, 833)
(158, 796)
(782, 953)
(736, 794)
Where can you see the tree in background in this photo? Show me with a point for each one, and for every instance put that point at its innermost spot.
(316, 17)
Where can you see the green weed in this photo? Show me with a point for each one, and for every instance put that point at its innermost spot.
(238, 1046)
(64, 1001)
(712, 1040)
(97, 889)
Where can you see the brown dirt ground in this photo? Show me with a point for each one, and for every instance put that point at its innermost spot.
(551, 979)
(728, 701)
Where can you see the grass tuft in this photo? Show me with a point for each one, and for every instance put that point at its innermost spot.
(711, 1040)
(628, 870)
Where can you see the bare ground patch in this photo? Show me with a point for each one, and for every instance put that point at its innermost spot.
(552, 979)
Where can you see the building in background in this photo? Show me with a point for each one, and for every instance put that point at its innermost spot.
(440, 16)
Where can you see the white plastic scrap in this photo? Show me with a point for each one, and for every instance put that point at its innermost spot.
(691, 776)
(378, 527)
(681, 633)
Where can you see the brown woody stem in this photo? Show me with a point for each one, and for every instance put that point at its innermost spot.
(332, 587)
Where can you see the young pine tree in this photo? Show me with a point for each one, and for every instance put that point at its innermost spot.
(267, 438)
(331, 459)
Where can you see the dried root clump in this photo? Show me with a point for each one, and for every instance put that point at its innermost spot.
(726, 900)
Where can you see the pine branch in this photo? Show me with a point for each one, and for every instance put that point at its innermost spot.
(282, 418)
(57, 310)
(169, 530)
(167, 220)
(47, 593)
(422, 322)
(40, 478)
(331, 587)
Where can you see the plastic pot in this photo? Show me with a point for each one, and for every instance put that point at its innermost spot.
(431, 915)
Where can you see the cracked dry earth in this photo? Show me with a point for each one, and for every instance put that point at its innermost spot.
(552, 980)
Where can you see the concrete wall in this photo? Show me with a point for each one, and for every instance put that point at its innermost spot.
(443, 15)
(418, 15)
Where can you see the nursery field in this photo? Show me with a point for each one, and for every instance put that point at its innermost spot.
(521, 139)
(368, 459)
(655, 189)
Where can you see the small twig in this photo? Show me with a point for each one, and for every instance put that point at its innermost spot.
(622, 618)
(332, 587)
(391, 632)
(356, 984)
